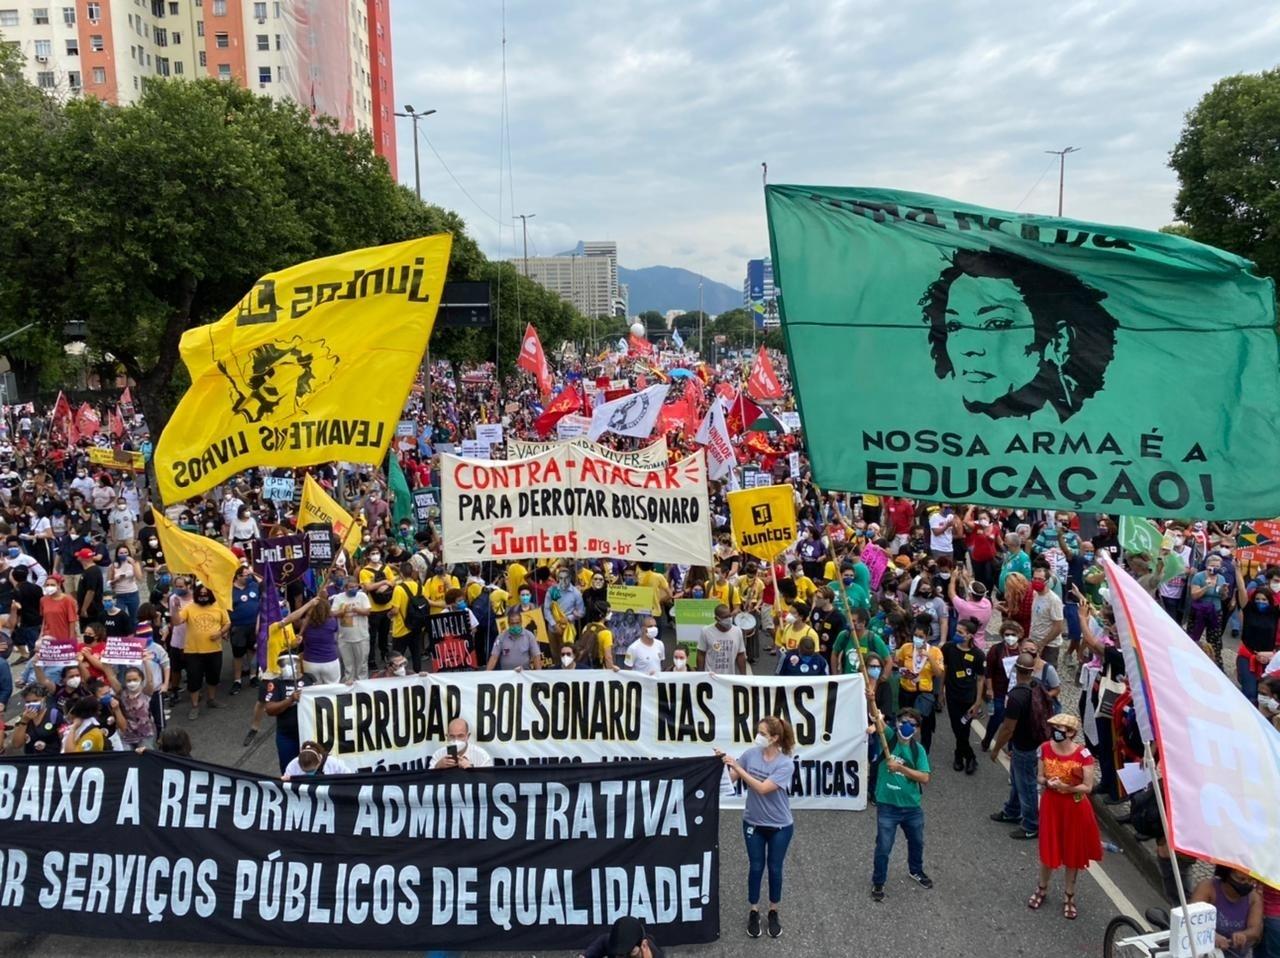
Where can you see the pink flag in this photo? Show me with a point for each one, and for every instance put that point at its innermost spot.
(1219, 755)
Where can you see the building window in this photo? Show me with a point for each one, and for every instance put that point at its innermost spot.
(93, 11)
(99, 75)
(73, 80)
(69, 16)
(41, 16)
(177, 68)
(264, 74)
(95, 43)
(224, 71)
(73, 48)
(45, 80)
(264, 42)
(199, 28)
(162, 66)
(221, 41)
(135, 83)
(219, 8)
(276, 5)
(173, 9)
(204, 60)
(260, 10)
(277, 41)
(9, 18)
(175, 38)
(44, 49)
(148, 57)
(161, 36)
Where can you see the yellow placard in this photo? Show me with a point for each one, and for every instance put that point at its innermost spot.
(316, 505)
(117, 459)
(312, 366)
(631, 598)
(764, 520)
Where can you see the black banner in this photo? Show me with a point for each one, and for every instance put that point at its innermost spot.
(426, 506)
(441, 625)
(319, 544)
(152, 846)
(287, 556)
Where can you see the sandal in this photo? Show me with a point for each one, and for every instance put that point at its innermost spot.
(1069, 906)
(1036, 900)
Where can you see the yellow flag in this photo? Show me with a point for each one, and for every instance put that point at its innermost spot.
(187, 553)
(317, 505)
(313, 365)
(764, 520)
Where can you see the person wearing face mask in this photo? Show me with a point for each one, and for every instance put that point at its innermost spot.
(568, 658)
(1069, 836)
(120, 525)
(562, 608)
(123, 579)
(879, 697)
(970, 600)
(243, 529)
(59, 616)
(351, 606)
(379, 583)
(982, 540)
(720, 646)
(844, 657)
(765, 771)
(280, 695)
(1260, 612)
(456, 652)
(595, 599)
(920, 675)
(647, 654)
(459, 751)
(1015, 560)
(246, 601)
(516, 648)
(826, 619)
(997, 670)
(900, 780)
(1173, 591)
(207, 625)
(926, 604)
(1048, 619)
(965, 666)
(84, 733)
(1239, 902)
(804, 661)
(1022, 728)
(40, 726)
(1208, 588)
(313, 760)
(137, 726)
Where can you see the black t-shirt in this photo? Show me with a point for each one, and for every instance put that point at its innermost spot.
(1258, 631)
(828, 625)
(1018, 707)
(1109, 544)
(29, 595)
(90, 581)
(964, 669)
(45, 737)
(277, 690)
(117, 622)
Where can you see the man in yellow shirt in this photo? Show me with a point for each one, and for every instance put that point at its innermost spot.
(378, 581)
(649, 578)
(437, 586)
(805, 587)
(407, 616)
(726, 593)
(920, 673)
(517, 572)
(795, 626)
(207, 625)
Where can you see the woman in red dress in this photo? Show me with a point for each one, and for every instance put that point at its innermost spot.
(1068, 831)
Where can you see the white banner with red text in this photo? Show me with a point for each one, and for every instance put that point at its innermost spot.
(650, 457)
(569, 503)
(551, 717)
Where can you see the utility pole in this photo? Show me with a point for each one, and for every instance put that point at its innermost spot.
(700, 315)
(1062, 169)
(524, 227)
(415, 116)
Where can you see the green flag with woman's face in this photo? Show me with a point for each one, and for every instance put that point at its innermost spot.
(947, 352)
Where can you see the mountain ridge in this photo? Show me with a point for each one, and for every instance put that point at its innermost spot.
(662, 288)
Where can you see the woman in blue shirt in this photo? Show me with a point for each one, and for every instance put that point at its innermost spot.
(766, 770)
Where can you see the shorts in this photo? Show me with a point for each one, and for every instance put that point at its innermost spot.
(243, 639)
(203, 668)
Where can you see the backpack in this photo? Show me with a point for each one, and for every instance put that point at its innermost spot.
(1041, 711)
(382, 593)
(417, 609)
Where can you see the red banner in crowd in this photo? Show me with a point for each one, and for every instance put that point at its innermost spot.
(569, 400)
(637, 346)
(533, 360)
(763, 382)
(88, 422)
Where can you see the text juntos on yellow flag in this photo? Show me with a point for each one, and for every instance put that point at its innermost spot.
(313, 365)
(317, 506)
(188, 553)
(764, 520)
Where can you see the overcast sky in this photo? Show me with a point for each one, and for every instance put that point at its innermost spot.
(646, 122)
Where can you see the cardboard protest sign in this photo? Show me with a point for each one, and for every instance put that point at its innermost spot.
(123, 650)
(764, 520)
(631, 598)
(278, 488)
(56, 653)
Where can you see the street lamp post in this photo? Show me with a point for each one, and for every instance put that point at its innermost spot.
(1062, 169)
(415, 116)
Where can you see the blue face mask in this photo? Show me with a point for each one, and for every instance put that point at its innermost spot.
(14, 553)
(847, 580)
(351, 593)
(874, 671)
(697, 593)
(109, 604)
(906, 729)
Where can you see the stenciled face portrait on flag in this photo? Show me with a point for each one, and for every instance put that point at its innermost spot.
(947, 352)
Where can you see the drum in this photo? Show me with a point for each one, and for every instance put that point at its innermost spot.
(749, 623)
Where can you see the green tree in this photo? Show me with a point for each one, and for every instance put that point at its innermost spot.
(655, 323)
(736, 325)
(1228, 164)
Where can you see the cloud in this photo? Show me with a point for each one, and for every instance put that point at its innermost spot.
(646, 123)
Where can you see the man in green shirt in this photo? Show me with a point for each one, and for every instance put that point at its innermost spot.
(1015, 560)
(844, 658)
(904, 770)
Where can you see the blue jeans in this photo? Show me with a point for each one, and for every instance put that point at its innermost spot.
(1024, 800)
(129, 602)
(6, 686)
(1248, 681)
(765, 843)
(1071, 616)
(888, 818)
(1270, 939)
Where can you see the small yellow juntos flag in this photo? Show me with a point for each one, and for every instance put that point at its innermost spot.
(313, 365)
(764, 520)
(188, 553)
(316, 505)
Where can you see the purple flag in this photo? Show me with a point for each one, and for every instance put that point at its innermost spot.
(268, 613)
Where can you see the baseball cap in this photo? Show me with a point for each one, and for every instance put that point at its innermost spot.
(626, 933)
(86, 554)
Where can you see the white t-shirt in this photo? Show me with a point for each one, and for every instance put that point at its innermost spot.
(645, 658)
(477, 756)
(332, 766)
(1046, 610)
(941, 531)
(358, 628)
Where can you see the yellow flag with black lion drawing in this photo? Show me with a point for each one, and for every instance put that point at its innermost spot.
(313, 365)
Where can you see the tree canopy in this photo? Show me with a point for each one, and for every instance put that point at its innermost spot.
(1228, 165)
(143, 221)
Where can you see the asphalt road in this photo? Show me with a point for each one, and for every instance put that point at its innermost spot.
(976, 908)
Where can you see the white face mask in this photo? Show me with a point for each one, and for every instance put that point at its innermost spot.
(680, 665)
(651, 631)
(50, 590)
(399, 670)
(133, 685)
(1011, 640)
(459, 743)
(73, 682)
(762, 740)
(566, 660)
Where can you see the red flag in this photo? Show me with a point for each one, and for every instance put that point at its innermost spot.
(637, 346)
(679, 415)
(740, 414)
(763, 381)
(126, 403)
(641, 381)
(568, 401)
(693, 392)
(726, 392)
(116, 423)
(88, 422)
(533, 360)
(758, 444)
(64, 419)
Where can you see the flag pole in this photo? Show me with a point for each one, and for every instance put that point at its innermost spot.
(1158, 793)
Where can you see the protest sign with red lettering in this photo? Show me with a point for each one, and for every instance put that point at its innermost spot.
(123, 650)
(56, 653)
(568, 502)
